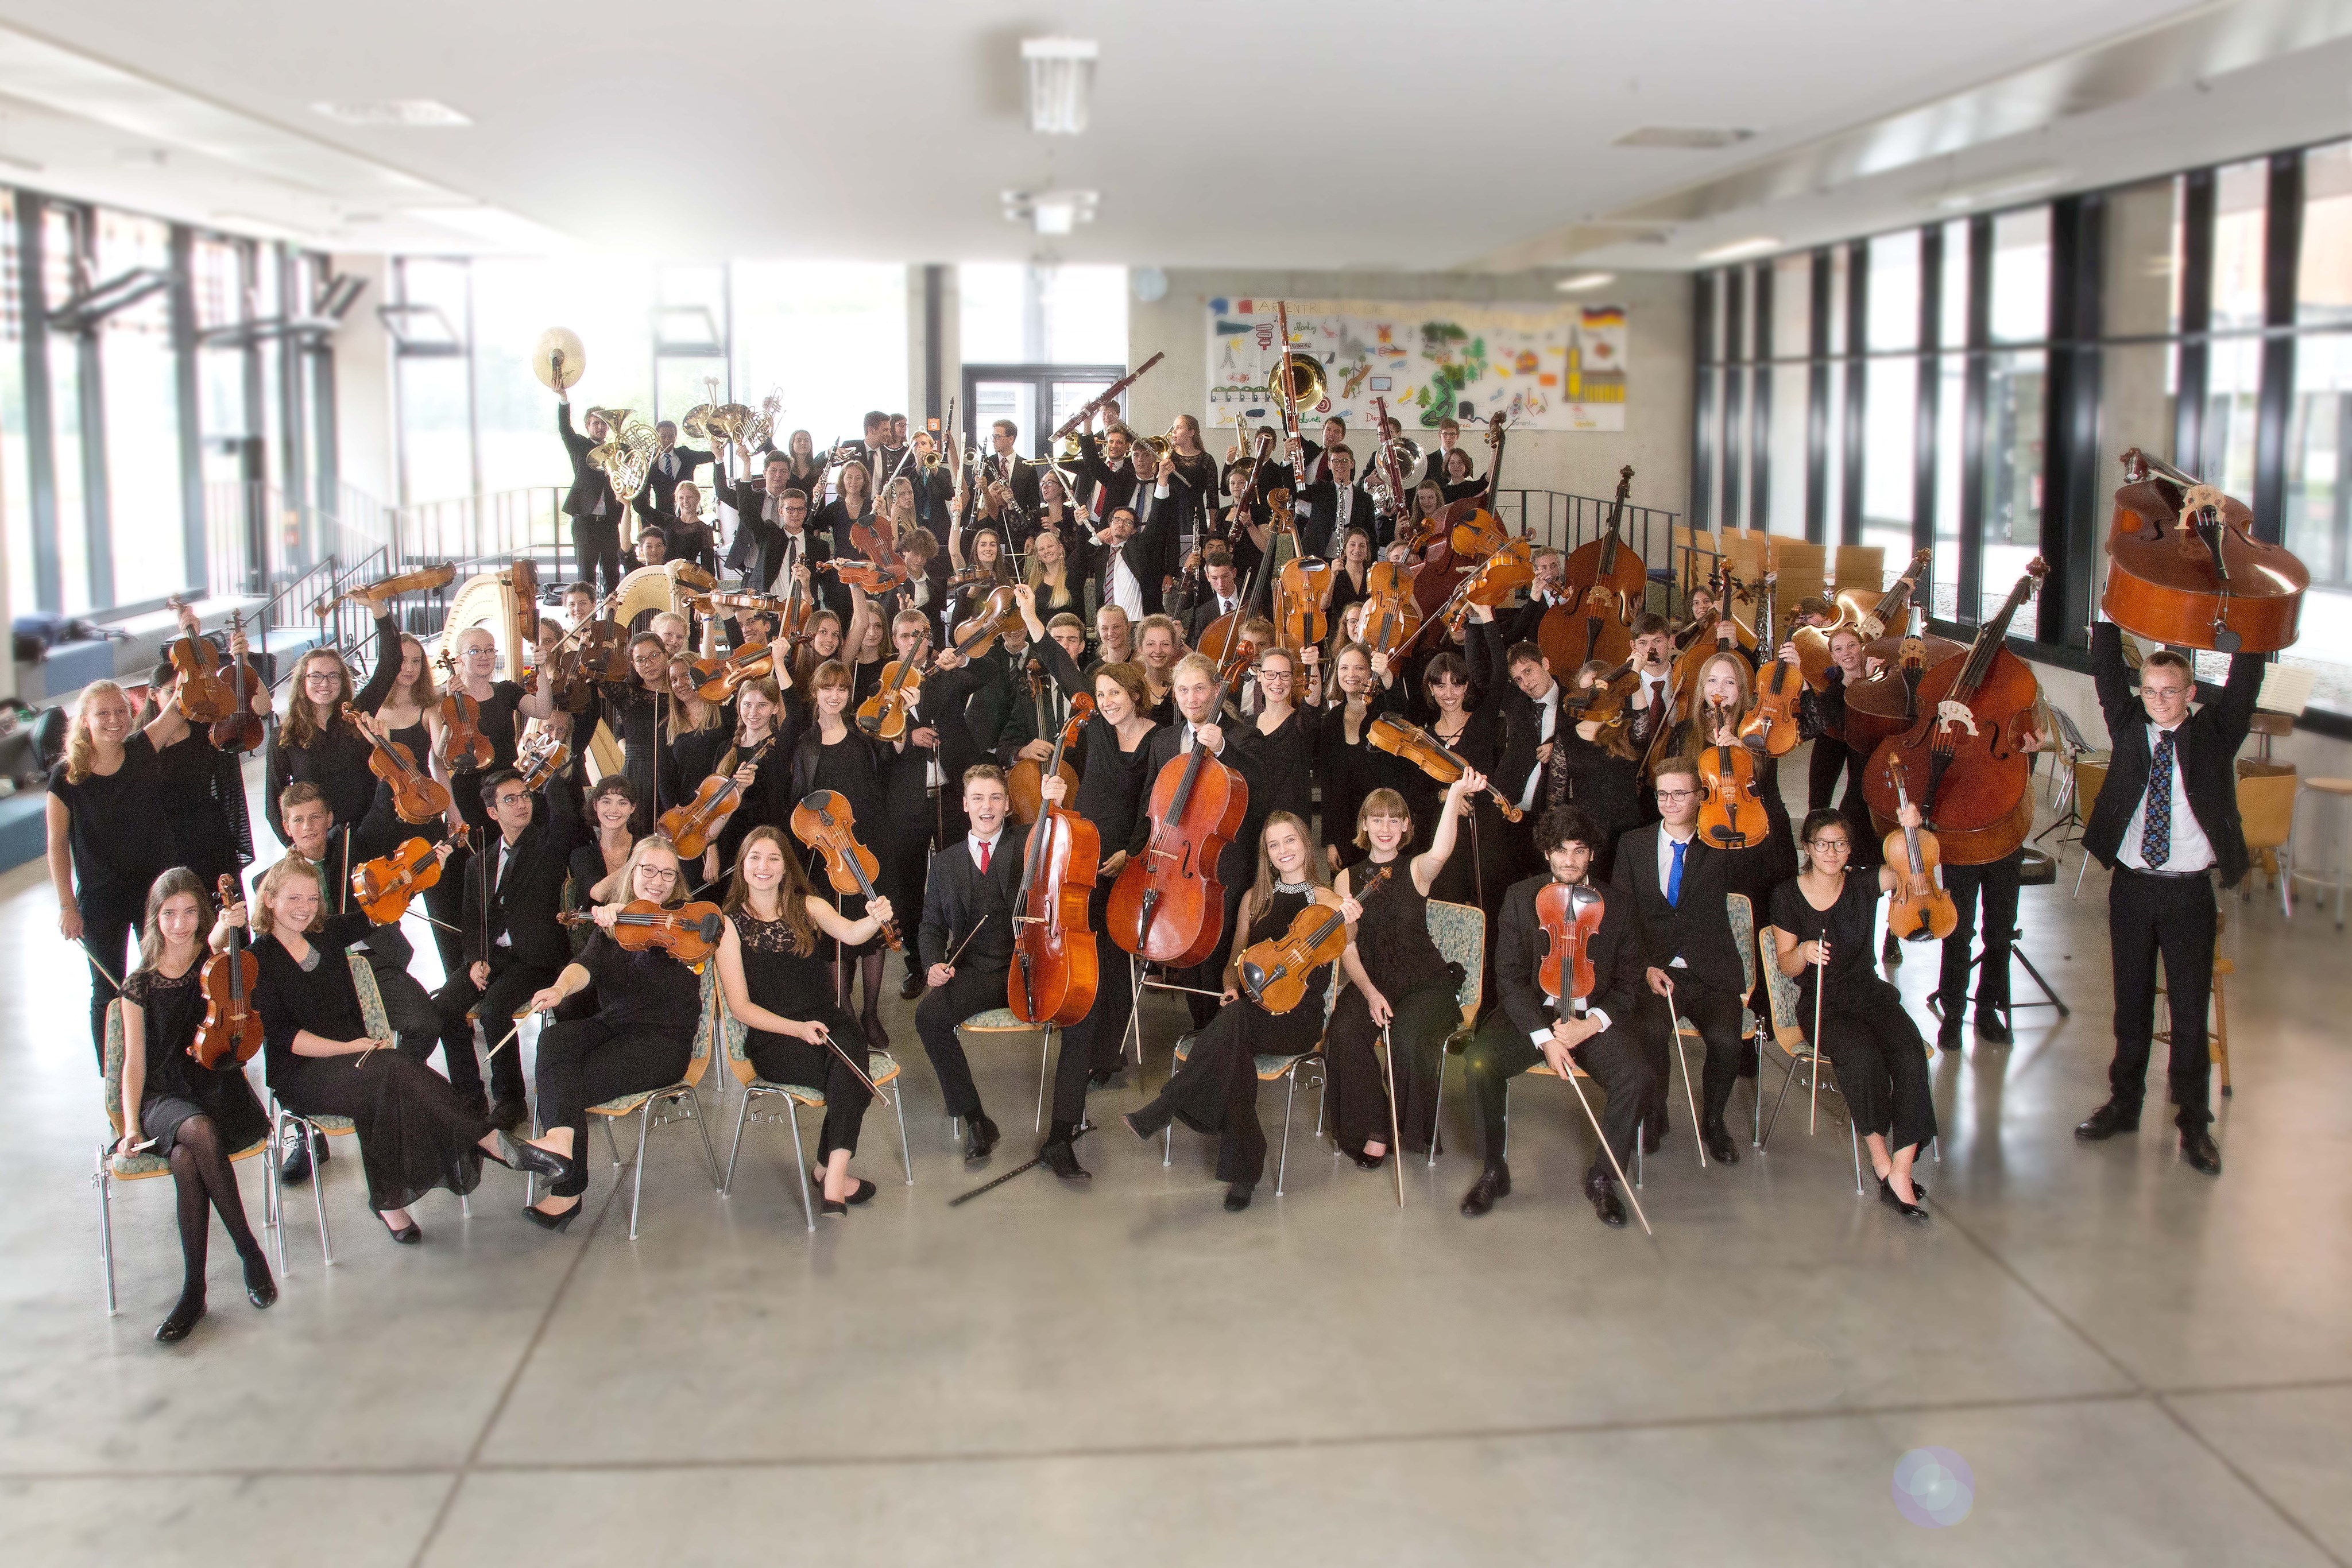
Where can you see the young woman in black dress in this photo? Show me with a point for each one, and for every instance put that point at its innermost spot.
(1475, 735)
(104, 849)
(698, 729)
(1353, 582)
(194, 1116)
(408, 713)
(1344, 760)
(314, 744)
(1604, 776)
(778, 979)
(835, 754)
(1058, 588)
(1215, 1090)
(640, 711)
(1725, 693)
(853, 506)
(596, 864)
(759, 755)
(1414, 995)
(640, 1038)
(1823, 921)
(414, 1133)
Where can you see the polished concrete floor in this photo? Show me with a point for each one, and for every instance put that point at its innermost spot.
(2137, 1365)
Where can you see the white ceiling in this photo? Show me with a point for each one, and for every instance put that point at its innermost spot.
(1376, 135)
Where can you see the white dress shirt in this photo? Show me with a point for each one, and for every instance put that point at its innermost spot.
(2190, 850)
(1550, 704)
(973, 841)
(1125, 592)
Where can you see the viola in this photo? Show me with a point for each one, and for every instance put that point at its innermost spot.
(1431, 754)
(1391, 615)
(416, 795)
(1922, 909)
(1967, 745)
(825, 822)
(2186, 569)
(722, 678)
(693, 826)
(1168, 906)
(1302, 601)
(464, 746)
(383, 887)
(1054, 966)
(886, 714)
(1770, 726)
(1491, 582)
(1731, 814)
(539, 759)
(231, 1029)
(203, 697)
(241, 730)
(688, 934)
(1023, 778)
(383, 590)
(1570, 917)
(1274, 972)
(1601, 590)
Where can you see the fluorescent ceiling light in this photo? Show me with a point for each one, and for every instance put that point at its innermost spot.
(1584, 280)
(1995, 188)
(1061, 80)
(1052, 212)
(1685, 138)
(406, 114)
(1755, 244)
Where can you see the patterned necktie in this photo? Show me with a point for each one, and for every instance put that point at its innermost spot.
(1675, 876)
(2155, 829)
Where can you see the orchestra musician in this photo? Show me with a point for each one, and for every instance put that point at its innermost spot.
(967, 941)
(1222, 595)
(1106, 478)
(1823, 920)
(104, 849)
(1059, 589)
(594, 510)
(1345, 766)
(1651, 705)
(1130, 567)
(1725, 694)
(189, 1115)
(834, 753)
(314, 743)
(852, 505)
(672, 466)
(1114, 635)
(1433, 470)
(1196, 719)
(1215, 1090)
(1353, 581)
(640, 710)
(1312, 462)
(1600, 774)
(775, 972)
(2165, 821)
(511, 894)
(596, 866)
(1005, 465)
(1461, 482)
(1595, 1032)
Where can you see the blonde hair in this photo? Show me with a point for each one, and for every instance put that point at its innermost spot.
(284, 871)
(1380, 803)
(637, 853)
(80, 744)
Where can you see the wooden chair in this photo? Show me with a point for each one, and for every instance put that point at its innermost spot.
(678, 1101)
(142, 1166)
(884, 1069)
(316, 1128)
(2266, 809)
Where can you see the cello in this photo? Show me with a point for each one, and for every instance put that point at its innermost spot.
(1922, 909)
(1054, 966)
(1168, 905)
(1965, 744)
(1602, 588)
(1770, 727)
(2188, 571)
(1274, 972)
(1023, 778)
(825, 822)
(231, 1029)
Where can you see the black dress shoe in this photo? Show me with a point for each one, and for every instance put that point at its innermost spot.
(523, 1155)
(831, 1209)
(2106, 1122)
(1948, 1033)
(1127, 1119)
(558, 1223)
(1654, 1132)
(175, 1329)
(1494, 1182)
(1910, 1211)
(876, 1035)
(259, 1288)
(296, 1168)
(1062, 1160)
(1605, 1201)
(912, 985)
(2197, 1146)
(1237, 1197)
(1990, 1029)
(1719, 1146)
(1890, 951)
(862, 1191)
(1365, 1162)
(408, 1235)
(507, 1115)
(979, 1135)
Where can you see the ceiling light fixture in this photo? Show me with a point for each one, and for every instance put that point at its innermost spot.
(1995, 188)
(1683, 138)
(1584, 280)
(404, 113)
(1741, 249)
(1050, 212)
(1061, 81)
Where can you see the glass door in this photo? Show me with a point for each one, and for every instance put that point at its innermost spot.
(1036, 398)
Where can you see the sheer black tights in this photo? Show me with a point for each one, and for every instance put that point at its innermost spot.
(201, 1171)
(870, 966)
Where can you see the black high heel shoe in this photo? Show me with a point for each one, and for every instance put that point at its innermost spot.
(521, 1155)
(408, 1235)
(558, 1223)
(259, 1288)
(1910, 1211)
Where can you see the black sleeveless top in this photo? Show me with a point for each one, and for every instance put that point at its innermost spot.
(1392, 939)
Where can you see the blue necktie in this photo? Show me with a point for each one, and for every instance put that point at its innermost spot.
(1675, 876)
(2155, 826)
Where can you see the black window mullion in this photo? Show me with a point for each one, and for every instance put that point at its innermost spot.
(1857, 386)
(2070, 530)
(1735, 369)
(1817, 403)
(1930, 384)
(2281, 250)
(40, 423)
(186, 379)
(2196, 317)
(90, 388)
(1968, 610)
(1760, 401)
(1702, 402)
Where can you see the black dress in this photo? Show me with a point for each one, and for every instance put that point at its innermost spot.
(1481, 866)
(1215, 1090)
(495, 719)
(1880, 1057)
(855, 767)
(648, 1008)
(1393, 943)
(637, 716)
(118, 850)
(415, 1134)
(203, 803)
(798, 987)
(176, 1086)
(1348, 772)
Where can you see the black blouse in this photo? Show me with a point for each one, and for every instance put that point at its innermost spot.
(323, 998)
(648, 992)
(118, 848)
(1849, 923)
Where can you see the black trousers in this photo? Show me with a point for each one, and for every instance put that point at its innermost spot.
(1880, 1057)
(587, 1061)
(109, 922)
(2172, 917)
(1615, 1059)
(596, 545)
(1425, 1015)
(780, 1059)
(1214, 1092)
(410, 1010)
(512, 985)
(1717, 1016)
(974, 990)
(1097, 1042)
(1997, 883)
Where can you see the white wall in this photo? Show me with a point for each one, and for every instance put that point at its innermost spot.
(364, 445)
(1657, 438)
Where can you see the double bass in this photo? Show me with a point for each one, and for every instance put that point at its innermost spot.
(231, 1029)
(2186, 569)
(1601, 589)
(1168, 906)
(1054, 966)
(1967, 745)
(825, 822)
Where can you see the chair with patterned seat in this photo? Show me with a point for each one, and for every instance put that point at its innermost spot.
(672, 1102)
(314, 1129)
(1270, 1069)
(142, 1166)
(884, 1069)
(1460, 932)
(1743, 936)
(1790, 1036)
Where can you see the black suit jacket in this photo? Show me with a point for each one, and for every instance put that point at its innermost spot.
(1023, 480)
(2205, 752)
(1317, 530)
(1697, 928)
(1151, 555)
(523, 907)
(1114, 485)
(588, 483)
(956, 896)
(677, 464)
(1522, 714)
(1520, 949)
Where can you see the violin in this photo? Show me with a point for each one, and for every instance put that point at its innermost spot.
(722, 678)
(1168, 905)
(1922, 909)
(539, 759)
(1730, 812)
(1967, 744)
(1274, 972)
(1601, 590)
(693, 826)
(1491, 582)
(1054, 968)
(382, 589)
(1770, 726)
(231, 1029)
(203, 697)
(825, 822)
(732, 598)
(1219, 637)
(2186, 569)
(464, 746)
(1476, 536)
(1302, 601)
(416, 795)
(876, 545)
(382, 888)
(1392, 616)
(1431, 754)
(1023, 778)
(868, 577)
(688, 934)
(886, 714)
(241, 730)
(1609, 699)
(997, 614)
(1570, 917)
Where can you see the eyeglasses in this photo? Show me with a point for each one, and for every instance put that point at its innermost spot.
(1829, 846)
(514, 799)
(330, 675)
(659, 873)
(1677, 794)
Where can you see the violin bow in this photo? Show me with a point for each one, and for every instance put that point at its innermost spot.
(1673, 1022)
(1017, 1170)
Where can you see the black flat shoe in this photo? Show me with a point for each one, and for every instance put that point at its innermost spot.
(2106, 1122)
(546, 1221)
(1606, 1204)
(1494, 1182)
(1990, 1030)
(911, 986)
(860, 1190)
(1365, 1162)
(519, 1154)
(828, 1208)
(259, 1288)
(980, 1137)
(408, 1235)
(1910, 1211)
(1237, 1197)
(175, 1329)
(2197, 1146)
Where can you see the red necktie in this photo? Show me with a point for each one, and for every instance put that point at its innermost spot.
(986, 853)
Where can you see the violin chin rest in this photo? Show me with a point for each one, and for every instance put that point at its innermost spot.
(1253, 979)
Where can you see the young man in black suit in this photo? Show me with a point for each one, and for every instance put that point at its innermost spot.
(1596, 1032)
(1130, 566)
(1006, 463)
(1331, 505)
(594, 510)
(1106, 477)
(1676, 885)
(1221, 594)
(967, 909)
(2166, 818)
(672, 463)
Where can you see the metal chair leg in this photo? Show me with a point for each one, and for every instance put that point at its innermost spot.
(610, 1142)
(637, 1187)
(318, 1196)
(106, 1225)
(800, 1163)
(905, 1153)
(1854, 1133)
(1290, 1096)
(742, 1114)
(693, 1104)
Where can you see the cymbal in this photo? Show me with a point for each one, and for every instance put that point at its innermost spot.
(558, 340)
